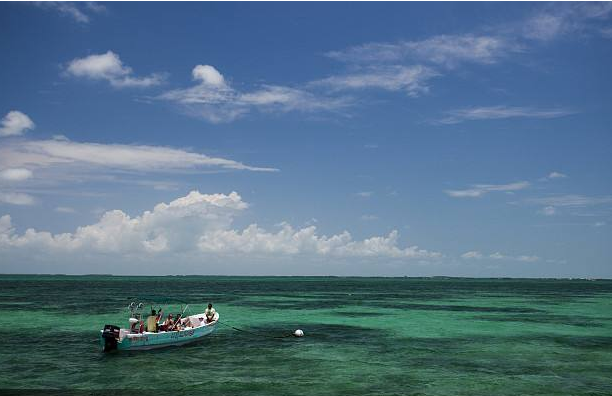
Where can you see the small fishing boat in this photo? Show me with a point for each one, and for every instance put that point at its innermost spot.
(134, 338)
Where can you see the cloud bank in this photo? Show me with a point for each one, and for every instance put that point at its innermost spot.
(201, 225)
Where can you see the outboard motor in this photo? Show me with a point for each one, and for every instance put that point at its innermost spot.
(110, 334)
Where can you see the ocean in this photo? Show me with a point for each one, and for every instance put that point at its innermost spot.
(363, 336)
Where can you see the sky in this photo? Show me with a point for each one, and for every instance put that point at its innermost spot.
(366, 139)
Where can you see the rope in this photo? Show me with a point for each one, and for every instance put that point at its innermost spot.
(254, 333)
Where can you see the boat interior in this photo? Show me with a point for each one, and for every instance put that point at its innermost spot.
(189, 323)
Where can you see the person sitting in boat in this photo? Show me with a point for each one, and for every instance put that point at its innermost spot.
(168, 323)
(178, 323)
(152, 322)
(210, 313)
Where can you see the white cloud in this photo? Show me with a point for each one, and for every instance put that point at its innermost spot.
(213, 99)
(15, 174)
(570, 200)
(289, 241)
(410, 79)
(446, 50)
(528, 259)
(543, 27)
(65, 209)
(208, 75)
(556, 175)
(16, 198)
(549, 211)
(77, 11)
(393, 65)
(365, 194)
(476, 255)
(369, 217)
(109, 67)
(201, 223)
(478, 190)
(271, 97)
(473, 254)
(15, 123)
(566, 18)
(573, 204)
(499, 112)
(606, 32)
(600, 224)
(48, 153)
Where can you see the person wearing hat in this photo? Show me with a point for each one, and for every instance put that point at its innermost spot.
(210, 313)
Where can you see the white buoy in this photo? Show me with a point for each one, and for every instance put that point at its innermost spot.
(298, 333)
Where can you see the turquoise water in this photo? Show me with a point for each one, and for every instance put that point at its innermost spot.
(364, 336)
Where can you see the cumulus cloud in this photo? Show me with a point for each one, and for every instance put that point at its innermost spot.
(213, 99)
(478, 190)
(109, 67)
(499, 112)
(208, 75)
(15, 123)
(202, 224)
(65, 153)
(15, 174)
(290, 241)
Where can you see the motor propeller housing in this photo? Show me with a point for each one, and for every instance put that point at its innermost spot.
(111, 337)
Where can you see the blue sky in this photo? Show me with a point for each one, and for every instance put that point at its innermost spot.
(461, 139)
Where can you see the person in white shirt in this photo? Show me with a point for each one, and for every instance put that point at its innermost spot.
(210, 313)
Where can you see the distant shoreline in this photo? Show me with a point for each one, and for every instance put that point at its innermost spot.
(438, 277)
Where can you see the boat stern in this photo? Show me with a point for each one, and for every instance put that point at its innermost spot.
(109, 337)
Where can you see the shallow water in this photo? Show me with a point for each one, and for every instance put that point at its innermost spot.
(383, 336)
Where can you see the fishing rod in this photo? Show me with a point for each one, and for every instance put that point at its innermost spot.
(179, 317)
(298, 333)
